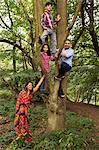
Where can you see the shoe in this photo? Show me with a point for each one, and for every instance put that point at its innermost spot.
(40, 41)
(63, 77)
(62, 95)
(43, 92)
(47, 94)
(59, 77)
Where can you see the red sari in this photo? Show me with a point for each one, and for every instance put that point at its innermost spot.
(21, 117)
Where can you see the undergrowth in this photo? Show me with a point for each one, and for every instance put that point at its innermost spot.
(77, 134)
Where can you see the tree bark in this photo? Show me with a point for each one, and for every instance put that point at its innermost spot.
(38, 10)
(14, 68)
(56, 109)
(62, 30)
(56, 106)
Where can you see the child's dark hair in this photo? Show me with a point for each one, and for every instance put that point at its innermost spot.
(48, 3)
(48, 52)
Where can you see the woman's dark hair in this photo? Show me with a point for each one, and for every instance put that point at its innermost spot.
(25, 87)
(48, 3)
(48, 52)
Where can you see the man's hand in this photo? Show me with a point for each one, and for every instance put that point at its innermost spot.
(63, 54)
(56, 55)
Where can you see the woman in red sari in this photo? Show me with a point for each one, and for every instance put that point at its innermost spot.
(22, 104)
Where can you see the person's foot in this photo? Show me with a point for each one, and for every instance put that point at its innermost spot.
(62, 77)
(43, 92)
(61, 94)
(40, 41)
(46, 93)
(59, 77)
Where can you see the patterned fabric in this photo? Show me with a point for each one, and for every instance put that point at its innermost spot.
(45, 61)
(21, 117)
(47, 20)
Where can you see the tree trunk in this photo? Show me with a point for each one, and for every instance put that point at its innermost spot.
(38, 10)
(90, 11)
(56, 109)
(62, 30)
(56, 106)
(14, 69)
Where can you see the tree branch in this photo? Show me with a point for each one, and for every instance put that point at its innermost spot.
(9, 13)
(31, 26)
(17, 36)
(19, 47)
(5, 23)
(83, 26)
(76, 14)
(92, 32)
(77, 38)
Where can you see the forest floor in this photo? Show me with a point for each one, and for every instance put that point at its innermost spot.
(83, 109)
(88, 110)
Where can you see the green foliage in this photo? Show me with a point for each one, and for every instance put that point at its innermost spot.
(17, 144)
(83, 81)
(84, 75)
(7, 108)
(76, 134)
(38, 114)
(7, 138)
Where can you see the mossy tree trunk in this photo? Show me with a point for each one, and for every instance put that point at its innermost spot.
(56, 106)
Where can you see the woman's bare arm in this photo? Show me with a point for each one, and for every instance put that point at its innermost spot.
(38, 84)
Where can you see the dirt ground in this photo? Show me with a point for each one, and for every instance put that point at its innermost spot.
(83, 109)
(88, 110)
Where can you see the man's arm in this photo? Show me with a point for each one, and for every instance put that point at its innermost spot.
(68, 53)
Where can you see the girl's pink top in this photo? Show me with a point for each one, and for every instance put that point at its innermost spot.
(45, 61)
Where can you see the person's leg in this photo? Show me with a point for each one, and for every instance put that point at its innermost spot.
(60, 92)
(62, 70)
(42, 87)
(67, 67)
(61, 73)
(44, 36)
(53, 42)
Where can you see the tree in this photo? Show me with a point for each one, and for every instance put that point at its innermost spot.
(21, 16)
